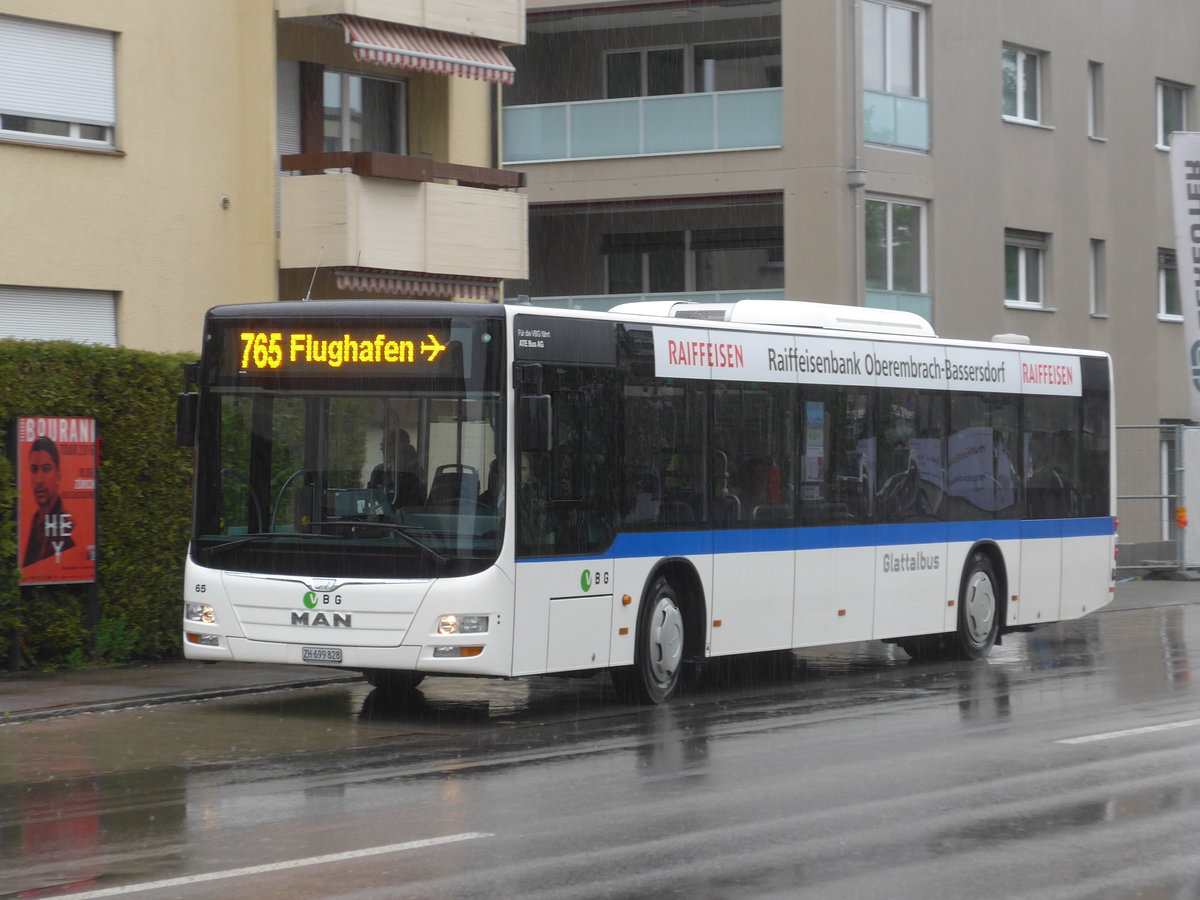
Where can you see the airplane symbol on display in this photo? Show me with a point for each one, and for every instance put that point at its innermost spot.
(433, 349)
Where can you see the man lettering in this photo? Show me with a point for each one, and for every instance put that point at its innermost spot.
(50, 531)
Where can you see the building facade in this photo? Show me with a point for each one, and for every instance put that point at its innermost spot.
(160, 158)
(994, 167)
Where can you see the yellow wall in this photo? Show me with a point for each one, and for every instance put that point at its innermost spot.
(195, 123)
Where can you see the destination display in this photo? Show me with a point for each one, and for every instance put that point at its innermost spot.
(356, 351)
(800, 359)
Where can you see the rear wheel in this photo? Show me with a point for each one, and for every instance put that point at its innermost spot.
(978, 610)
(658, 655)
(392, 681)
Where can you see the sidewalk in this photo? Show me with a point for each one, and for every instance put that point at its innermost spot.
(39, 695)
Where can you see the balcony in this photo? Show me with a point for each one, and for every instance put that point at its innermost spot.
(644, 126)
(602, 302)
(502, 21)
(382, 211)
(896, 120)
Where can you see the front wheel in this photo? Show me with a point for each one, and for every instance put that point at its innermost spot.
(658, 655)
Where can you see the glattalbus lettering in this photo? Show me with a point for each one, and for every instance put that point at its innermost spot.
(705, 354)
(306, 348)
(911, 562)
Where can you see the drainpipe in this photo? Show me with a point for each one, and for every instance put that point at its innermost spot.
(856, 176)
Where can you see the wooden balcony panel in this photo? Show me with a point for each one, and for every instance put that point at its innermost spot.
(402, 168)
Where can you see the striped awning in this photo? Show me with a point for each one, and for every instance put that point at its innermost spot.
(417, 284)
(406, 47)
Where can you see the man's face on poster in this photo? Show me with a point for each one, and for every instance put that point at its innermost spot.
(45, 475)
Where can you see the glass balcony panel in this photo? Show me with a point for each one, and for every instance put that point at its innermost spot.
(896, 120)
(608, 128)
(912, 123)
(535, 132)
(750, 119)
(678, 124)
(879, 118)
(921, 304)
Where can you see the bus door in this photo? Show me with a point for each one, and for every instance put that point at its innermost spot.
(566, 498)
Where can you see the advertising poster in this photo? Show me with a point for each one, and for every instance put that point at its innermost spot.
(56, 506)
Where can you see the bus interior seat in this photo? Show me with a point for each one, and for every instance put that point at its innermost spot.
(452, 483)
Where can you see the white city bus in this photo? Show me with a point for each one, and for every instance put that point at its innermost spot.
(410, 488)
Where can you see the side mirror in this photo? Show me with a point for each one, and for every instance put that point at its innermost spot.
(534, 423)
(186, 407)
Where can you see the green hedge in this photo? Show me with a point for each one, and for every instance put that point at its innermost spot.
(144, 503)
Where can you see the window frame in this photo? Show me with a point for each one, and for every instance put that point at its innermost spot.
(1097, 278)
(1020, 116)
(345, 76)
(688, 63)
(49, 94)
(1096, 100)
(1168, 270)
(1161, 86)
(917, 49)
(922, 232)
(1028, 244)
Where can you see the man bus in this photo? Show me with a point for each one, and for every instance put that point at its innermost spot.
(635, 490)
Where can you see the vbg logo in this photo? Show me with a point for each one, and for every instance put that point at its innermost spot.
(310, 599)
(589, 579)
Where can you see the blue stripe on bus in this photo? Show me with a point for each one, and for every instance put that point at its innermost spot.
(767, 540)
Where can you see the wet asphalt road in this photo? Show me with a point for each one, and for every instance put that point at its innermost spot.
(846, 772)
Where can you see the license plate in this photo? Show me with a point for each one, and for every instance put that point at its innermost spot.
(321, 654)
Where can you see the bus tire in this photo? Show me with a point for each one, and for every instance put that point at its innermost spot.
(393, 682)
(979, 608)
(658, 657)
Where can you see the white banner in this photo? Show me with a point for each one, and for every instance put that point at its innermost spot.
(704, 353)
(1185, 194)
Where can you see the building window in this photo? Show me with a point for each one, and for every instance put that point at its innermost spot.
(1095, 100)
(892, 49)
(1097, 288)
(747, 258)
(895, 255)
(645, 263)
(1169, 308)
(1022, 75)
(57, 84)
(701, 68)
(363, 114)
(1172, 111)
(1024, 267)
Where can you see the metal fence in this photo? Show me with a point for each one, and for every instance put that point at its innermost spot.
(1150, 485)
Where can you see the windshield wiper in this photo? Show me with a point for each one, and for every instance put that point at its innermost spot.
(258, 536)
(404, 531)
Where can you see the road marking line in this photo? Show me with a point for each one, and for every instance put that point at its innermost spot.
(275, 867)
(1149, 729)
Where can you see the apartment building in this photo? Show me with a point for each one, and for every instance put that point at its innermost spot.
(995, 167)
(160, 158)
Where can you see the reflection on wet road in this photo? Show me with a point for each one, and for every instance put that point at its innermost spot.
(836, 772)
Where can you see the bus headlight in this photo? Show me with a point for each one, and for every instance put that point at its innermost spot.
(462, 625)
(200, 612)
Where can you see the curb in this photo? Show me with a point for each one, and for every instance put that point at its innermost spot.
(166, 699)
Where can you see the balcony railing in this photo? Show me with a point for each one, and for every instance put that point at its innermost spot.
(644, 126)
(921, 304)
(401, 168)
(601, 302)
(896, 120)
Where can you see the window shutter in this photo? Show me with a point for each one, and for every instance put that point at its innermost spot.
(60, 72)
(50, 314)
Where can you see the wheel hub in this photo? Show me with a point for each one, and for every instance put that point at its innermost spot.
(665, 640)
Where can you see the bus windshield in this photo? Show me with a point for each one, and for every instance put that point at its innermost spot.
(390, 478)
